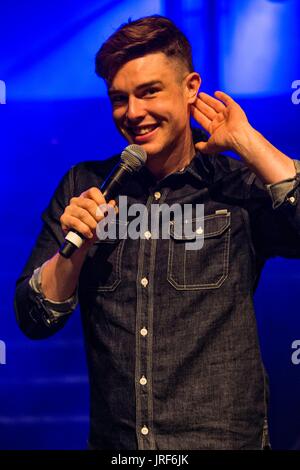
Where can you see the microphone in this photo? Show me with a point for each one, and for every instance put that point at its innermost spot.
(132, 159)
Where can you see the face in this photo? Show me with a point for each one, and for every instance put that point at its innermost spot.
(150, 97)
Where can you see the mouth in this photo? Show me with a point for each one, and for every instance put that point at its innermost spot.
(143, 133)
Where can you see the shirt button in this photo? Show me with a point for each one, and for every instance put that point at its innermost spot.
(292, 199)
(144, 331)
(144, 282)
(144, 430)
(157, 195)
(143, 380)
(147, 235)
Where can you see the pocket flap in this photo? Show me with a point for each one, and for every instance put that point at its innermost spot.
(206, 227)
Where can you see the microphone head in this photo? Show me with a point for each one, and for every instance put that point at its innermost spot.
(134, 157)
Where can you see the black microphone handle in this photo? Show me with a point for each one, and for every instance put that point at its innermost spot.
(110, 189)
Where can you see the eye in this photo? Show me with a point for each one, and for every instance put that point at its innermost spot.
(151, 91)
(118, 100)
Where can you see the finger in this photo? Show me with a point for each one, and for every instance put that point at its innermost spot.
(204, 147)
(224, 97)
(113, 204)
(201, 118)
(217, 105)
(69, 222)
(95, 194)
(201, 146)
(208, 111)
(106, 209)
(83, 215)
(89, 205)
(101, 210)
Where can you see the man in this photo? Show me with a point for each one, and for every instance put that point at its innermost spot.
(173, 354)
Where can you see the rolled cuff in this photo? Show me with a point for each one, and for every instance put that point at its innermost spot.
(285, 190)
(53, 308)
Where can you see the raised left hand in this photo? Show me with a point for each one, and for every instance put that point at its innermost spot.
(222, 117)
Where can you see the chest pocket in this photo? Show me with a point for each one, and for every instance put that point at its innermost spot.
(102, 269)
(206, 267)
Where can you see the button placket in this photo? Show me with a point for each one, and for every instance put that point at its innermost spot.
(144, 324)
(142, 350)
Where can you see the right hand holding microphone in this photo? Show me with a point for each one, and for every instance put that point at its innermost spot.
(83, 214)
(131, 161)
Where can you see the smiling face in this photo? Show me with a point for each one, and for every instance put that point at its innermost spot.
(150, 99)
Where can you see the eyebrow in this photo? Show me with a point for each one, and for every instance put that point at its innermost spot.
(139, 87)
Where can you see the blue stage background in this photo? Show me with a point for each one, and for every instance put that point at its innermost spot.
(56, 114)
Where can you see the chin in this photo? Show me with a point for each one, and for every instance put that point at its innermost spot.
(152, 148)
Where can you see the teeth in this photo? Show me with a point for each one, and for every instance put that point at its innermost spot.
(143, 130)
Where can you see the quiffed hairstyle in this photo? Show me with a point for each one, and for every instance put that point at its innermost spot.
(140, 37)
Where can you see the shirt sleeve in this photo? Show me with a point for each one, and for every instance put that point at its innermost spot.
(285, 190)
(274, 214)
(54, 309)
(37, 316)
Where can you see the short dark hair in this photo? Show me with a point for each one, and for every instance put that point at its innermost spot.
(137, 38)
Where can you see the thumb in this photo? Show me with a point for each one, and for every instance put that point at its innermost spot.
(202, 147)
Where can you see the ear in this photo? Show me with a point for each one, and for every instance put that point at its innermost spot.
(192, 85)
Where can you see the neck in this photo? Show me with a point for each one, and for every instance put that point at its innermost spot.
(173, 159)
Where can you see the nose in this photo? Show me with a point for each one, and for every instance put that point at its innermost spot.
(135, 109)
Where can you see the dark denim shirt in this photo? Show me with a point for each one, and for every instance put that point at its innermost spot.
(173, 354)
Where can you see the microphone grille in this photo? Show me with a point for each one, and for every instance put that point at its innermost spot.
(134, 156)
